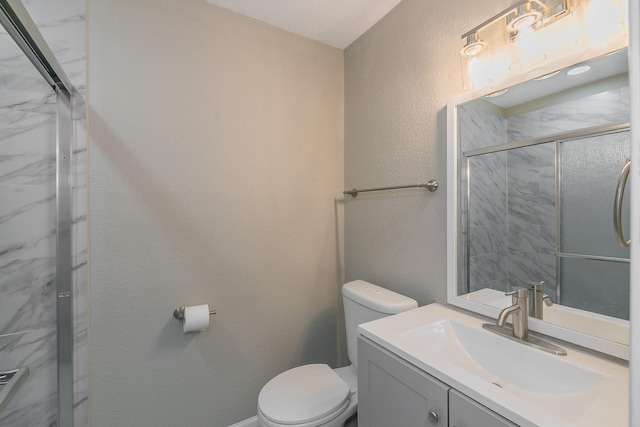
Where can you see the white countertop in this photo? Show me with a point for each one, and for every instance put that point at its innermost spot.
(603, 404)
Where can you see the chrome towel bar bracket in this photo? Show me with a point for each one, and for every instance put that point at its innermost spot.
(431, 185)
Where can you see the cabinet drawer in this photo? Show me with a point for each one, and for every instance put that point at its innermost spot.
(465, 412)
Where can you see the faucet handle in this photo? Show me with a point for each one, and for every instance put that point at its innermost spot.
(518, 292)
(535, 286)
(547, 300)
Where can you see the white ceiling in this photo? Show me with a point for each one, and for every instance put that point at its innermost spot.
(334, 22)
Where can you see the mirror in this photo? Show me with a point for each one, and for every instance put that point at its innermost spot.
(536, 168)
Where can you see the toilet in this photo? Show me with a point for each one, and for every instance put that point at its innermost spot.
(316, 395)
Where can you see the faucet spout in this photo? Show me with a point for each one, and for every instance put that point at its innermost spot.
(505, 313)
(519, 312)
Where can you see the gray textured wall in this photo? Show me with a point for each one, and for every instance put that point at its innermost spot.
(216, 147)
(398, 78)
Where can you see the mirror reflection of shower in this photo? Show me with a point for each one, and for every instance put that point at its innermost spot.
(540, 168)
(593, 267)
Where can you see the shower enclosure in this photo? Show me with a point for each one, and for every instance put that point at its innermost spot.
(543, 210)
(41, 250)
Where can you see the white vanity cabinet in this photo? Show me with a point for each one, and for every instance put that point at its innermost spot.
(393, 392)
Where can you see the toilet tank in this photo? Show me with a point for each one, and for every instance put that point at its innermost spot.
(364, 302)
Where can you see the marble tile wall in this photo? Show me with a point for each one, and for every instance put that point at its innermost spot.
(512, 219)
(531, 205)
(488, 222)
(487, 204)
(27, 217)
(480, 127)
(603, 108)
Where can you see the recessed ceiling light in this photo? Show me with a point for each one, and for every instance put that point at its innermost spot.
(578, 70)
(547, 76)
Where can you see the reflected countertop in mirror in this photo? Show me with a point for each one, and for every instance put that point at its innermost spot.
(535, 169)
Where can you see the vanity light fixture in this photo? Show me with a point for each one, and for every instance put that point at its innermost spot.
(578, 70)
(485, 60)
(474, 45)
(522, 14)
(530, 33)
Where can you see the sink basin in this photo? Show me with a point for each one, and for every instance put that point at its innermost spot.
(524, 384)
(504, 363)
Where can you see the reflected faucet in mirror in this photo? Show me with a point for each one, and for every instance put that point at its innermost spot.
(537, 299)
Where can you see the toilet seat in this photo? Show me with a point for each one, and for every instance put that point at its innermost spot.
(306, 395)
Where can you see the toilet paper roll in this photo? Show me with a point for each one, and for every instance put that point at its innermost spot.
(196, 318)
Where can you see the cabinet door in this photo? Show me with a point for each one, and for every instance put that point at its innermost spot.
(465, 412)
(394, 393)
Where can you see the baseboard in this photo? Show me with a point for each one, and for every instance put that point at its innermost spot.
(249, 422)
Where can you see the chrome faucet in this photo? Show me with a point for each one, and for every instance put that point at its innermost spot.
(519, 313)
(536, 299)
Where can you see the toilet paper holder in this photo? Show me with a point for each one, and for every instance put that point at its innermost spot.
(178, 313)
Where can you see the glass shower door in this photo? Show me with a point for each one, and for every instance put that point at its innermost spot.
(27, 236)
(594, 267)
(35, 224)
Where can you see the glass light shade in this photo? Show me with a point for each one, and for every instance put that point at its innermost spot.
(474, 45)
(526, 50)
(524, 17)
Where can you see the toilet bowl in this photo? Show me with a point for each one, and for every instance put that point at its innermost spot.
(316, 395)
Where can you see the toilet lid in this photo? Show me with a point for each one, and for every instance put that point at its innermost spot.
(303, 394)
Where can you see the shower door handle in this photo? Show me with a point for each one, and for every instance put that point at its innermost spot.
(617, 205)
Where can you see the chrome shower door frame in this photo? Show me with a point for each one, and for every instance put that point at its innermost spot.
(19, 25)
(64, 258)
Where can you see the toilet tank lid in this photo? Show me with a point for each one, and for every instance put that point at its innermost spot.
(379, 299)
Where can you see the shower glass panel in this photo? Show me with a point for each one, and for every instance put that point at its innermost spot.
(589, 175)
(27, 236)
(596, 279)
(597, 286)
(35, 122)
